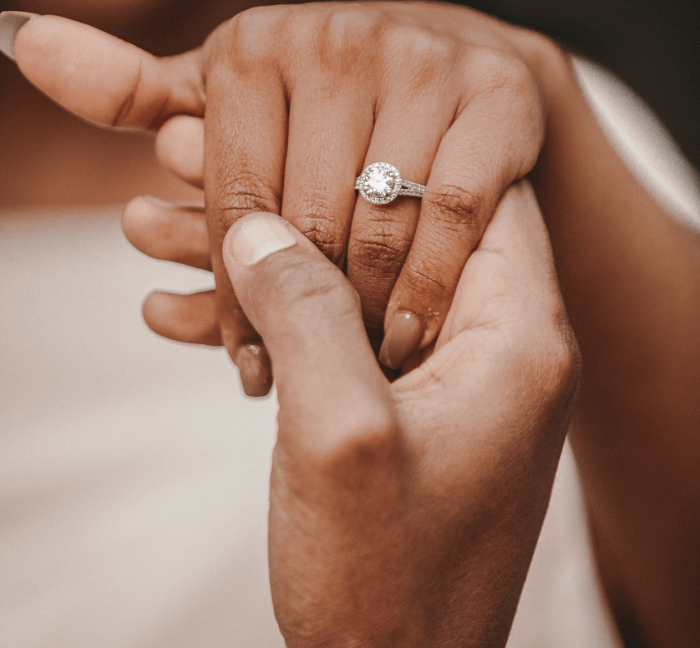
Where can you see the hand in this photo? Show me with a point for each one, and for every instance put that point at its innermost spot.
(406, 514)
(444, 93)
(631, 279)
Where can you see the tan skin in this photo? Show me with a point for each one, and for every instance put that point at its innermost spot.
(51, 158)
(388, 523)
(631, 279)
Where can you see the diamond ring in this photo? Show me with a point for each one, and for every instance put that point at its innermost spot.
(380, 183)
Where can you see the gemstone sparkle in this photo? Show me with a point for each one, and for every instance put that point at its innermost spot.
(380, 182)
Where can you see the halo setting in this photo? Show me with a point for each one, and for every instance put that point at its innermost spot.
(379, 183)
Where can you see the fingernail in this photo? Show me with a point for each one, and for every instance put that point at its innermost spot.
(10, 24)
(256, 236)
(256, 373)
(402, 339)
(159, 202)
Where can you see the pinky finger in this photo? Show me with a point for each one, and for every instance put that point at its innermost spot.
(184, 318)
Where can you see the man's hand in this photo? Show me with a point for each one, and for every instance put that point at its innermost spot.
(406, 514)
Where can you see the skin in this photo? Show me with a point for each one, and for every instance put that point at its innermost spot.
(401, 258)
(50, 158)
(631, 279)
(389, 524)
(631, 274)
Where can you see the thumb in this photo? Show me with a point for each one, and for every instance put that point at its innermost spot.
(103, 79)
(310, 319)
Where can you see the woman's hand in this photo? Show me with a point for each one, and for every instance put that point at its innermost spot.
(301, 98)
(406, 514)
(298, 100)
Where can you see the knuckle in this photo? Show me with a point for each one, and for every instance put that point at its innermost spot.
(424, 279)
(127, 114)
(514, 74)
(545, 47)
(501, 72)
(558, 370)
(242, 194)
(506, 87)
(379, 248)
(567, 352)
(251, 37)
(121, 116)
(302, 284)
(358, 446)
(425, 55)
(318, 219)
(346, 34)
(454, 207)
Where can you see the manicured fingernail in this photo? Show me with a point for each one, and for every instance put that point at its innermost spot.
(402, 339)
(256, 373)
(10, 24)
(256, 236)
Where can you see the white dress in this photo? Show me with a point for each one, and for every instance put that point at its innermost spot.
(134, 472)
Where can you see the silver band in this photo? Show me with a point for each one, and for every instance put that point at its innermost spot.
(409, 188)
(380, 183)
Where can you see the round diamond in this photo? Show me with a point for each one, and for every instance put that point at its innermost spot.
(379, 183)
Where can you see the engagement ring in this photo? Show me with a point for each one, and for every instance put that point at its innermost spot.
(380, 183)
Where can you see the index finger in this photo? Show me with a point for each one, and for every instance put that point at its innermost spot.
(105, 80)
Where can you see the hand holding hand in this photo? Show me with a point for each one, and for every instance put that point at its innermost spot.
(407, 513)
(300, 99)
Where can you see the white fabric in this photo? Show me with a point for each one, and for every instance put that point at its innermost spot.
(642, 141)
(133, 472)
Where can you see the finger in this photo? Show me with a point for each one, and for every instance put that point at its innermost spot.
(506, 331)
(184, 318)
(494, 141)
(168, 232)
(505, 351)
(105, 80)
(328, 139)
(510, 278)
(245, 145)
(407, 135)
(180, 148)
(310, 319)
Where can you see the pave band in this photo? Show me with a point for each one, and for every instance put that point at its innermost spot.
(380, 183)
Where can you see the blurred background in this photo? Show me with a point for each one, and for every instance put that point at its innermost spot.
(49, 158)
(133, 472)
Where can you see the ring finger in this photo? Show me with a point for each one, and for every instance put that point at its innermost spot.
(407, 135)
